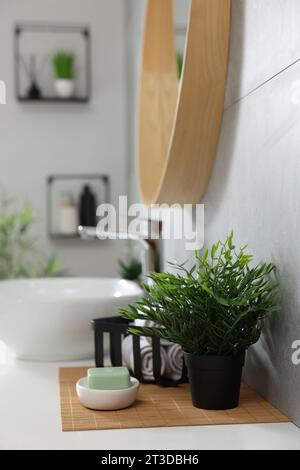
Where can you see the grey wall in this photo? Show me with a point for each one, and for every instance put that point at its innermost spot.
(255, 187)
(38, 140)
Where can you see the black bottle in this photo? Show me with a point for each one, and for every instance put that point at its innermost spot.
(87, 208)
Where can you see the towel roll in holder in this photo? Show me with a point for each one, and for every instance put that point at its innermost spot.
(117, 329)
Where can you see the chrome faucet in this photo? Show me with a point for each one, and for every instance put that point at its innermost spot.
(149, 246)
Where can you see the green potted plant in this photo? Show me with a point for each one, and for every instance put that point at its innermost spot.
(215, 311)
(63, 64)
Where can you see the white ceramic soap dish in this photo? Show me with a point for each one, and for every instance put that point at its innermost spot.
(106, 400)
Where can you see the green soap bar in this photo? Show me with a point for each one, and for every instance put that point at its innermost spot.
(108, 378)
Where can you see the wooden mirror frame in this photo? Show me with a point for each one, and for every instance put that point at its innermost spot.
(180, 122)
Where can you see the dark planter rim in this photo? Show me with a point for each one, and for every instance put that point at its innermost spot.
(214, 362)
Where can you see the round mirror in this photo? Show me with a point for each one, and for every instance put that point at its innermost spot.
(182, 90)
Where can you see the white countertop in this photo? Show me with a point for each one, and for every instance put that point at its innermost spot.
(30, 419)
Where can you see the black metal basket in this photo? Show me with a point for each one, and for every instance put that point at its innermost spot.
(117, 329)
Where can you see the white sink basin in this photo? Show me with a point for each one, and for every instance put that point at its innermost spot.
(49, 319)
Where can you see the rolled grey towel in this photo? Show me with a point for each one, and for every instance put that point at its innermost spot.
(146, 357)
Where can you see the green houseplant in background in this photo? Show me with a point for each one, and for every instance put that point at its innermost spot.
(179, 61)
(63, 64)
(19, 257)
(131, 270)
(215, 311)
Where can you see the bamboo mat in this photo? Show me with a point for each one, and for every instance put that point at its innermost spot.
(158, 407)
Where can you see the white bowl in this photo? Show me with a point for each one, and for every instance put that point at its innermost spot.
(106, 400)
(49, 319)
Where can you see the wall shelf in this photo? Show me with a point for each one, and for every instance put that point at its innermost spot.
(51, 99)
(76, 182)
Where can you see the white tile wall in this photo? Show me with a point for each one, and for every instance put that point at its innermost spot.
(265, 38)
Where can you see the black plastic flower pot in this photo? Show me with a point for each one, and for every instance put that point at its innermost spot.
(215, 381)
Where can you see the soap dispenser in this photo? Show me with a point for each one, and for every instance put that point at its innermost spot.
(87, 208)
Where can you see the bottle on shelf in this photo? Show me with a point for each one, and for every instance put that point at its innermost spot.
(87, 208)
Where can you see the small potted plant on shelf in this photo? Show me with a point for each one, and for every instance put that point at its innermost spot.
(63, 64)
(215, 311)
